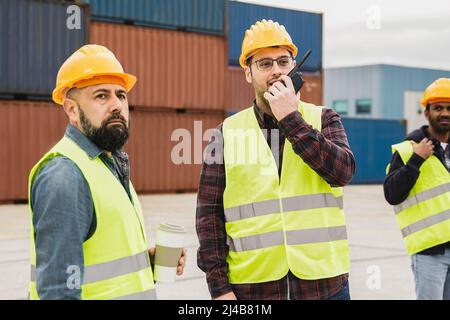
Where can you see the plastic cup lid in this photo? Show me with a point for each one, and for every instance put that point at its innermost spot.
(168, 227)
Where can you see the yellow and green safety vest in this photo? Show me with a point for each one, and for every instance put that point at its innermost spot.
(116, 261)
(424, 217)
(275, 225)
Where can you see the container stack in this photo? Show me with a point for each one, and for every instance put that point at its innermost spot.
(185, 59)
(178, 51)
(305, 29)
(35, 41)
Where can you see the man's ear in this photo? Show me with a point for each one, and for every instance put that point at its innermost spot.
(426, 113)
(71, 109)
(248, 74)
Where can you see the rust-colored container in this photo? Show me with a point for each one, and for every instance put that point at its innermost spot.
(175, 69)
(27, 131)
(312, 90)
(153, 154)
(240, 94)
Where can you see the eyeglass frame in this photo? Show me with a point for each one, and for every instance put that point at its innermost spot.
(249, 62)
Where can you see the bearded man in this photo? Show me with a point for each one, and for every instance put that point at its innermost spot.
(418, 186)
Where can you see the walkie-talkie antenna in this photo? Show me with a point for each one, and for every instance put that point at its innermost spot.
(305, 56)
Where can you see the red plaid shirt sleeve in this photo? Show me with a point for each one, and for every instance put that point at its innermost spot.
(327, 151)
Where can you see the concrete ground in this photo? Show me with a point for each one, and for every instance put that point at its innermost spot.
(380, 267)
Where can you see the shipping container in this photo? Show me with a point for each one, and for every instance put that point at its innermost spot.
(305, 29)
(27, 131)
(371, 141)
(37, 37)
(176, 70)
(204, 16)
(240, 94)
(154, 149)
(377, 91)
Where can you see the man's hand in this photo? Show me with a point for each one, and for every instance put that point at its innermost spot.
(227, 296)
(424, 149)
(282, 99)
(181, 261)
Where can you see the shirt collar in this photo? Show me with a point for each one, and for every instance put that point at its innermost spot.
(79, 138)
(265, 120)
(426, 134)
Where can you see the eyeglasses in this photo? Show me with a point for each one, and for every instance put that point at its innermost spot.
(266, 64)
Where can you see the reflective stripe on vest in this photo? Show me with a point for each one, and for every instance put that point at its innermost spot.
(304, 202)
(425, 223)
(110, 269)
(422, 196)
(145, 295)
(293, 237)
(424, 216)
(116, 262)
(278, 223)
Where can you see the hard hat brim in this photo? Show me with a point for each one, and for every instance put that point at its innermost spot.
(425, 102)
(129, 81)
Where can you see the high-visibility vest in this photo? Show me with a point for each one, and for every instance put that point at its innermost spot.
(116, 261)
(424, 217)
(272, 225)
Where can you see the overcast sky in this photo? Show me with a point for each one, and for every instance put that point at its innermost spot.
(356, 32)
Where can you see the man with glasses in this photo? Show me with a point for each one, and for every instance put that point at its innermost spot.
(418, 186)
(269, 210)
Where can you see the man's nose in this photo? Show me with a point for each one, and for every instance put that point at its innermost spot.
(115, 104)
(275, 67)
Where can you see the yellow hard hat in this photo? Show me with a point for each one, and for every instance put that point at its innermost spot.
(265, 34)
(91, 64)
(438, 91)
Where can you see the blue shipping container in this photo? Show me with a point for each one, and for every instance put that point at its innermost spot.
(203, 16)
(36, 38)
(371, 141)
(305, 29)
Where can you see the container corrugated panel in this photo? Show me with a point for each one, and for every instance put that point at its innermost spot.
(371, 141)
(174, 69)
(204, 16)
(305, 29)
(35, 42)
(150, 149)
(241, 94)
(27, 131)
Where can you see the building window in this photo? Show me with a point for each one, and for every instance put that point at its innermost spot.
(363, 106)
(341, 106)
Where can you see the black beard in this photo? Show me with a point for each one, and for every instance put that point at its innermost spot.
(110, 138)
(434, 123)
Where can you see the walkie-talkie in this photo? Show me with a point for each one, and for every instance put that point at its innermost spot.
(296, 75)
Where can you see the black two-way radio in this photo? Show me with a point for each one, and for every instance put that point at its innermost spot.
(295, 73)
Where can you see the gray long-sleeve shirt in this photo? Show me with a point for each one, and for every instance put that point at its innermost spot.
(63, 217)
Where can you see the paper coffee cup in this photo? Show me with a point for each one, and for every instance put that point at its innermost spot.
(169, 246)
